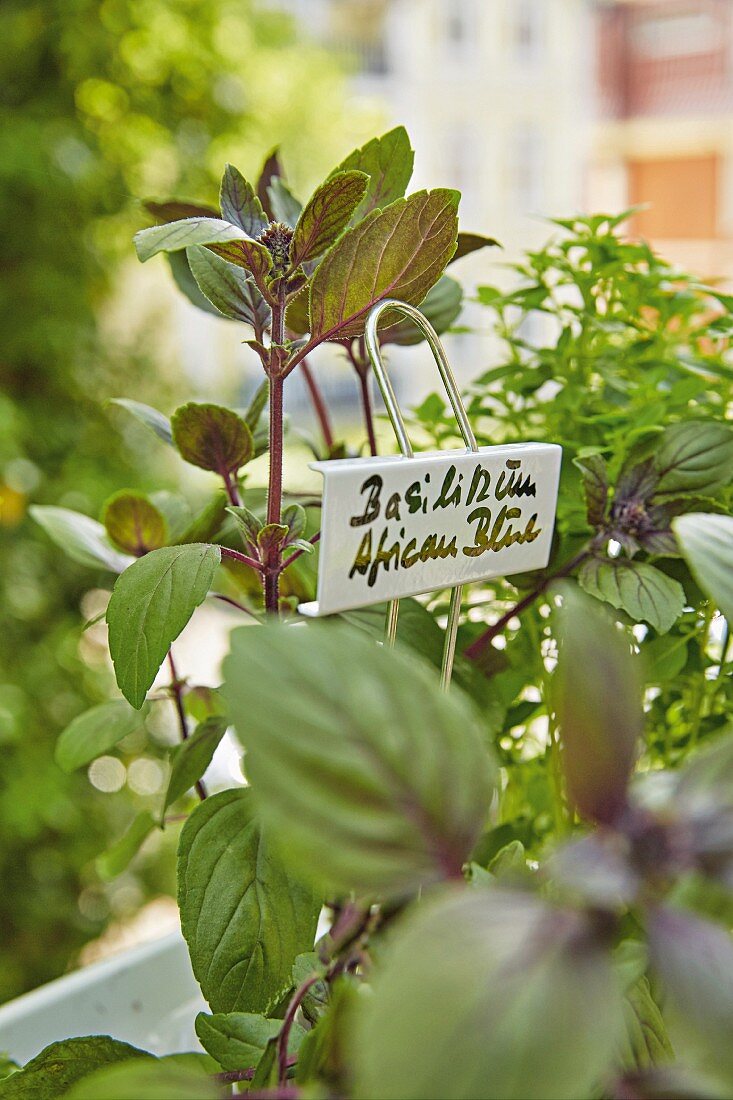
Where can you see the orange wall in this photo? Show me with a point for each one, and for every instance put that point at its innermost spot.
(683, 192)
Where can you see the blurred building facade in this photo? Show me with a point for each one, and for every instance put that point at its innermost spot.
(535, 108)
(663, 134)
(496, 95)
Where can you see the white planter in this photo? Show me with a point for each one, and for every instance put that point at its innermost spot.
(146, 996)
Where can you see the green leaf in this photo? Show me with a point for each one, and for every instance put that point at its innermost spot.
(175, 510)
(151, 603)
(316, 1001)
(597, 697)
(249, 524)
(7, 1066)
(60, 1065)
(694, 959)
(192, 758)
(257, 405)
(226, 286)
(148, 1079)
(642, 591)
(133, 523)
(244, 917)
(706, 542)
(489, 993)
(174, 236)
(694, 456)
(398, 253)
(80, 537)
(294, 519)
(118, 857)
(94, 733)
(184, 279)
(326, 215)
(441, 306)
(207, 524)
(646, 1041)
(239, 203)
(285, 207)
(388, 161)
(151, 418)
(212, 437)
(595, 486)
(472, 242)
(236, 1039)
(381, 785)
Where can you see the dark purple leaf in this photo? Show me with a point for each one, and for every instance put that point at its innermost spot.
(598, 704)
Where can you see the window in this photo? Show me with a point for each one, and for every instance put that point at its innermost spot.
(528, 168)
(461, 27)
(683, 34)
(528, 30)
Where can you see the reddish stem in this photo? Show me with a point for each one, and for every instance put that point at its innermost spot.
(476, 648)
(366, 404)
(288, 1021)
(176, 689)
(319, 405)
(236, 556)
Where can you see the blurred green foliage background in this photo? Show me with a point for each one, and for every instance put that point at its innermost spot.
(103, 104)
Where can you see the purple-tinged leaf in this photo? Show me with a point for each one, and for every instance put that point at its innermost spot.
(441, 306)
(489, 993)
(641, 590)
(175, 211)
(598, 868)
(247, 254)
(326, 215)
(184, 280)
(595, 486)
(212, 437)
(400, 252)
(706, 543)
(472, 242)
(694, 959)
(283, 203)
(694, 456)
(232, 292)
(271, 169)
(388, 161)
(239, 203)
(598, 703)
(380, 791)
(133, 523)
(636, 483)
(174, 236)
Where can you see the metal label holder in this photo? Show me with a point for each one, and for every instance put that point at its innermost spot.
(394, 412)
(368, 555)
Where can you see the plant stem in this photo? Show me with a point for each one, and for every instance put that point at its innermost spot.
(176, 689)
(231, 487)
(234, 603)
(236, 556)
(319, 405)
(275, 478)
(476, 648)
(366, 404)
(360, 363)
(288, 1021)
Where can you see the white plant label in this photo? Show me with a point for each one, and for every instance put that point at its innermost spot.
(396, 526)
